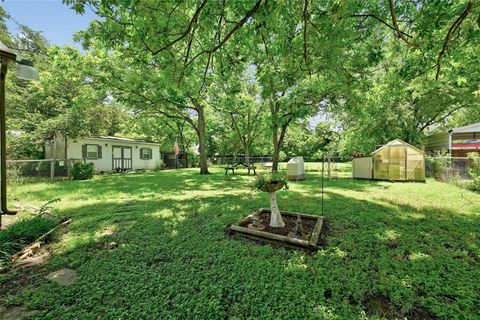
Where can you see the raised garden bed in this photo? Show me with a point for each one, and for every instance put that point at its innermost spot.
(289, 236)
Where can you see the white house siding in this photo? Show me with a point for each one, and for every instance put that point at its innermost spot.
(105, 163)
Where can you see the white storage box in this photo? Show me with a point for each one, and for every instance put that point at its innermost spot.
(362, 168)
(295, 169)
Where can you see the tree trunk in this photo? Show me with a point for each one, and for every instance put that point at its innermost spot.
(67, 164)
(202, 141)
(276, 220)
(276, 150)
(247, 155)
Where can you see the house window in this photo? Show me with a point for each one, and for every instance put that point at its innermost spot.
(145, 153)
(91, 151)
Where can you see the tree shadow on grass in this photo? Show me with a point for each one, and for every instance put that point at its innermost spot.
(122, 185)
(173, 259)
(313, 182)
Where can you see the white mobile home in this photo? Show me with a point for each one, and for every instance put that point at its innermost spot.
(107, 153)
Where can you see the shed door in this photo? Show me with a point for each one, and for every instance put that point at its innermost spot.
(397, 167)
(121, 158)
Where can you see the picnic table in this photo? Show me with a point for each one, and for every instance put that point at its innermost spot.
(233, 166)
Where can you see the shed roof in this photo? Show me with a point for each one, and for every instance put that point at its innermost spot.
(396, 142)
(475, 127)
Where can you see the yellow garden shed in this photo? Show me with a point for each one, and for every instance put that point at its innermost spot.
(396, 160)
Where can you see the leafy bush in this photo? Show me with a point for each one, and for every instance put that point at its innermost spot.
(474, 171)
(474, 185)
(474, 165)
(82, 171)
(440, 162)
(160, 165)
(14, 175)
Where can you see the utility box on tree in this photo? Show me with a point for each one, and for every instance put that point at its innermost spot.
(296, 169)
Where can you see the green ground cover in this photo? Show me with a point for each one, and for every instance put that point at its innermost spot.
(153, 246)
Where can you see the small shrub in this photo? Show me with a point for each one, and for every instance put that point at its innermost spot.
(474, 164)
(15, 175)
(82, 171)
(160, 165)
(474, 185)
(474, 171)
(440, 163)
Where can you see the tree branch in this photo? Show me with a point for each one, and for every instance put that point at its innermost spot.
(449, 35)
(183, 35)
(237, 26)
(305, 51)
(400, 34)
(369, 15)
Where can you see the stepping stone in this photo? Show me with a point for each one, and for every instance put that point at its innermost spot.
(111, 233)
(15, 313)
(63, 277)
(124, 223)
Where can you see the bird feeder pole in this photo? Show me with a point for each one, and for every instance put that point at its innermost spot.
(26, 71)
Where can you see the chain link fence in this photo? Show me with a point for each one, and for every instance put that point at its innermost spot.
(267, 159)
(335, 165)
(448, 168)
(19, 171)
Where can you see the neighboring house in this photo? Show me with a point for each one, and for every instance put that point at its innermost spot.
(107, 153)
(458, 141)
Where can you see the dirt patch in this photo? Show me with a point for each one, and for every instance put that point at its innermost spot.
(328, 294)
(27, 276)
(38, 259)
(421, 313)
(290, 224)
(379, 305)
(104, 245)
(16, 313)
(327, 229)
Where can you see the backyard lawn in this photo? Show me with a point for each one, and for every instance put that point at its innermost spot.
(153, 246)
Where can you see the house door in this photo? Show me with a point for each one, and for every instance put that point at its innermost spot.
(121, 158)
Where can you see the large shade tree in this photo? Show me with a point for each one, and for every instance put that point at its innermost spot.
(369, 64)
(62, 103)
(237, 101)
(425, 78)
(169, 50)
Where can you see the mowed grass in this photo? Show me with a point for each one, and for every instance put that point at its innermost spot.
(153, 246)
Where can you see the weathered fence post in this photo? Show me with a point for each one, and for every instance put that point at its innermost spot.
(52, 170)
(67, 163)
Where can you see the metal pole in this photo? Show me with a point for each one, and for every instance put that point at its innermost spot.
(323, 169)
(3, 157)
